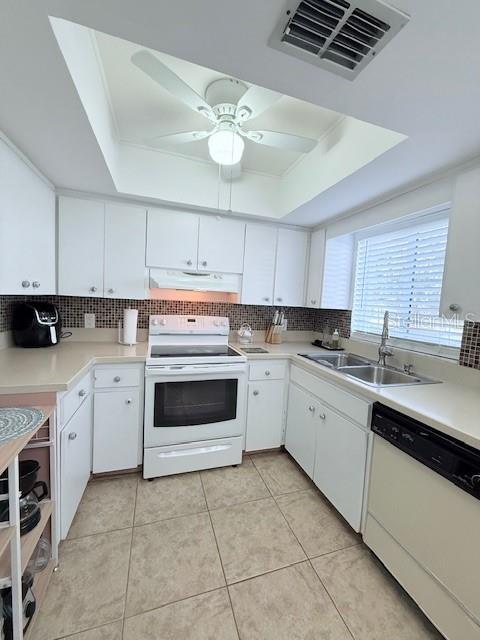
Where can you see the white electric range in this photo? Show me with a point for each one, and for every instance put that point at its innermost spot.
(195, 396)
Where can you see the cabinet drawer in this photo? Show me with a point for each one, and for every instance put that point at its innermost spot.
(75, 397)
(117, 377)
(352, 406)
(267, 370)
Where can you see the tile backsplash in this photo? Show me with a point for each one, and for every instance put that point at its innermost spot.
(470, 348)
(109, 311)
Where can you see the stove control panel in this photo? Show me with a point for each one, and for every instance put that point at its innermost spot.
(179, 324)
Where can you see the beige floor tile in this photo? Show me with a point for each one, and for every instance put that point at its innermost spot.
(290, 604)
(253, 538)
(205, 617)
(318, 526)
(172, 560)
(108, 632)
(232, 485)
(169, 497)
(370, 601)
(107, 504)
(280, 473)
(89, 588)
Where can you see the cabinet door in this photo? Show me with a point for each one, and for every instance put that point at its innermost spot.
(300, 435)
(290, 268)
(75, 462)
(340, 464)
(27, 228)
(460, 286)
(81, 233)
(265, 414)
(116, 430)
(172, 239)
(125, 233)
(259, 264)
(315, 269)
(221, 244)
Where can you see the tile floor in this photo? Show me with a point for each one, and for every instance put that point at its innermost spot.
(250, 553)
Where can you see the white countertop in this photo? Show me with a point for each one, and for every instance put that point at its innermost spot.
(451, 408)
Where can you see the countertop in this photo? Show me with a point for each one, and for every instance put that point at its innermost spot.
(57, 368)
(451, 408)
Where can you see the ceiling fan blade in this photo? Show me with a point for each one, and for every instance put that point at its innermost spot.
(254, 102)
(286, 141)
(179, 138)
(160, 73)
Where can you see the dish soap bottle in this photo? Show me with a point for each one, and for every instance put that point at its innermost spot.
(335, 339)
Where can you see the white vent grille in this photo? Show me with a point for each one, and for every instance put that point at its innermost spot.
(337, 35)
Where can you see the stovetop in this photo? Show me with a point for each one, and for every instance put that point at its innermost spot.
(192, 351)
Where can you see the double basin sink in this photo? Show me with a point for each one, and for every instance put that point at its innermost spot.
(366, 371)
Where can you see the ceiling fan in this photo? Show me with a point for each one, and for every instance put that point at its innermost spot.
(228, 105)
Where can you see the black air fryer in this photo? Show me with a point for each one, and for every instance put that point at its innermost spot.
(36, 324)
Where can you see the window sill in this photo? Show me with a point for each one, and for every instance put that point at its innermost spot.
(439, 351)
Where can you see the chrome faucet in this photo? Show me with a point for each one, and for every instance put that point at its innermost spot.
(383, 350)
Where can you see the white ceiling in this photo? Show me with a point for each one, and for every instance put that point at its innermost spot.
(143, 110)
(425, 84)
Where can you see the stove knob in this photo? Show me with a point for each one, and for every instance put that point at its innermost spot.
(224, 323)
(163, 322)
(216, 323)
(155, 321)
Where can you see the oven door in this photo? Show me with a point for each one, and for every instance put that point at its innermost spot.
(194, 402)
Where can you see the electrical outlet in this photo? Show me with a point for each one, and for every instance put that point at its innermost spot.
(89, 320)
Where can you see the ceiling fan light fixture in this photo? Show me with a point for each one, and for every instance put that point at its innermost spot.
(225, 147)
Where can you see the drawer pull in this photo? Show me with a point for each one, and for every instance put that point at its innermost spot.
(128, 401)
(311, 408)
(35, 284)
(25, 284)
(267, 372)
(255, 393)
(322, 416)
(82, 393)
(72, 436)
(117, 379)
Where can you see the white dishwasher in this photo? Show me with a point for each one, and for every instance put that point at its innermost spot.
(423, 519)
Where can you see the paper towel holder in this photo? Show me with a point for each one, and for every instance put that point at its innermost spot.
(121, 330)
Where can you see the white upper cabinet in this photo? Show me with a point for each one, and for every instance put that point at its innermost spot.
(172, 239)
(291, 261)
(461, 292)
(81, 233)
(124, 271)
(259, 264)
(27, 228)
(221, 244)
(101, 249)
(315, 269)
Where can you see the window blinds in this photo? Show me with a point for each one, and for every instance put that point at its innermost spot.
(402, 271)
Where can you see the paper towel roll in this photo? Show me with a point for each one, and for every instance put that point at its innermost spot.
(130, 318)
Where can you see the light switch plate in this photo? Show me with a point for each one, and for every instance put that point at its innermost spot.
(89, 320)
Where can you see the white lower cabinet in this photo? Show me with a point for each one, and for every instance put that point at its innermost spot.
(301, 433)
(265, 414)
(340, 460)
(116, 429)
(117, 417)
(75, 462)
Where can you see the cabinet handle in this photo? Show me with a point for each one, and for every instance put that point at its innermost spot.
(72, 436)
(267, 372)
(35, 284)
(111, 291)
(93, 289)
(279, 299)
(266, 299)
(454, 307)
(189, 263)
(204, 263)
(313, 302)
(128, 401)
(322, 416)
(311, 408)
(117, 379)
(255, 393)
(25, 284)
(82, 393)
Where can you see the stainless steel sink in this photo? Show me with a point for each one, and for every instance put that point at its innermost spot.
(379, 376)
(366, 370)
(336, 360)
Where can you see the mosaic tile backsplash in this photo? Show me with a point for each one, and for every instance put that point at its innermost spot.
(108, 312)
(470, 348)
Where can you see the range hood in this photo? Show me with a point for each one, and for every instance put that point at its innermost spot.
(193, 281)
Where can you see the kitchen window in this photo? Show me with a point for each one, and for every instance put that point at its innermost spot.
(400, 269)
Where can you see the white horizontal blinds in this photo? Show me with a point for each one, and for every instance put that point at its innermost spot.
(337, 274)
(402, 271)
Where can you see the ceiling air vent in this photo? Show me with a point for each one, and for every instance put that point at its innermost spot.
(337, 35)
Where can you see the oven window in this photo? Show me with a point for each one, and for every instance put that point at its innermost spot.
(180, 404)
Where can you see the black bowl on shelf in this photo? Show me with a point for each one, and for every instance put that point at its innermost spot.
(27, 471)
